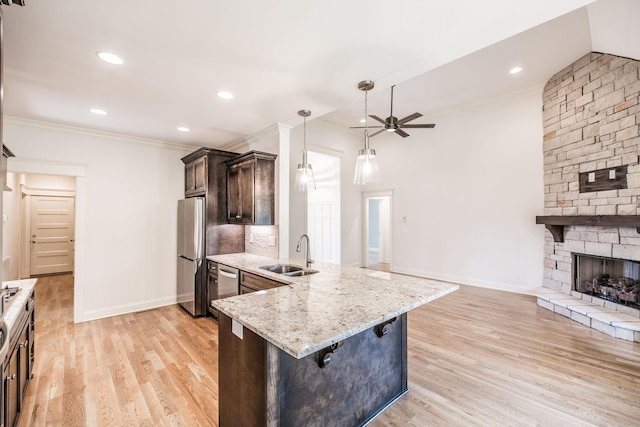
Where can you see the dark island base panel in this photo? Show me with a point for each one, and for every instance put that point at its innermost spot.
(260, 385)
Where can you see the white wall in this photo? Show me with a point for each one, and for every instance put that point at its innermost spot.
(11, 227)
(126, 213)
(470, 190)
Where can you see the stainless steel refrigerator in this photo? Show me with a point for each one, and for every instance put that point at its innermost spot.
(191, 256)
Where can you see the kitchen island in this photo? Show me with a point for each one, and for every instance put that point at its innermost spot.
(328, 349)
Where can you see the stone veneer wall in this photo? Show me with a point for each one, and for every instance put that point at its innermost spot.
(591, 121)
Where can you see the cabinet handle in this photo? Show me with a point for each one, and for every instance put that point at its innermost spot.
(11, 377)
(24, 344)
(192, 188)
(238, 216)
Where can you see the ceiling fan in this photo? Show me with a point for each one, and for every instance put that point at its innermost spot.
(393, 124)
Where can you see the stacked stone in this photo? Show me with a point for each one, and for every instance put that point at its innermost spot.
(591, 118)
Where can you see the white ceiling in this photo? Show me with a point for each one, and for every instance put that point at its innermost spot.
(282, 56)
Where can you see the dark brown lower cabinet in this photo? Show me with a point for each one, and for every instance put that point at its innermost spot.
(18, 365)
(343, 385)
(251, 283)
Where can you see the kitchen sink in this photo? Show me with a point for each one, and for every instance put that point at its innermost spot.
(288, 270)
(300, 273)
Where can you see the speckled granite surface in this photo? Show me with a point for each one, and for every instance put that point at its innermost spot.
(17, 303)
(324, 308)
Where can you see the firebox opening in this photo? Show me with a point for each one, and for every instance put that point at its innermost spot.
(613, 279)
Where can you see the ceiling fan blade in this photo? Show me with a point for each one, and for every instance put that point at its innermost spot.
(402, 133)
(416, 126)
(374, 117)
(375, 133)
(364, 127)
(409, 118)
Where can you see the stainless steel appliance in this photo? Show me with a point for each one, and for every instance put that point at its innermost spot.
(227, 282)
(191, 273)
(224, 282)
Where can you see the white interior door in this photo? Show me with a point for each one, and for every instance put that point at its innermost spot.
(52, 234)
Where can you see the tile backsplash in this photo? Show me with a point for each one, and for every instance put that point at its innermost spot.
(261, 240)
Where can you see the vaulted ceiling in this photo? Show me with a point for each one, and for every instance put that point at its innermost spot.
(280, 57)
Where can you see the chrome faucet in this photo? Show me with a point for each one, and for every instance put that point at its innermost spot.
(309, 260)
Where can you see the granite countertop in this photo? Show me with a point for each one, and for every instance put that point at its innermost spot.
(16, 305)
(323, 308)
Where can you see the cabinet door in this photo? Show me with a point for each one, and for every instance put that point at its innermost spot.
(247, 191)
(32, 344)
(234, 203)
(11, 391)
(195, 177)
(212, 287)
(241, 190)
(256, 282)
(189, 178)
(23, 363)
(200, 174)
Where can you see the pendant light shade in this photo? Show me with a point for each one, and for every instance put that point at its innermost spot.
(304, 172)
(367, 171)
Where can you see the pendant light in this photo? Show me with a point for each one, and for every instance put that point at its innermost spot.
(367, 171)
(304, 174)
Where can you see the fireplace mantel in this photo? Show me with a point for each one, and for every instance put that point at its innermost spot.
(555, 224)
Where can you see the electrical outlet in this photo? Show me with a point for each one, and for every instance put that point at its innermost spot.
(272, 241)
(251, 238)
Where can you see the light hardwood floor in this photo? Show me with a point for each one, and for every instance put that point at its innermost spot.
(476, 357)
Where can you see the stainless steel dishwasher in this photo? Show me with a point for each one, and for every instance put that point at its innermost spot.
(227, 282)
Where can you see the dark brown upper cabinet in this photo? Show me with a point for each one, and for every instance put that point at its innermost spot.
(251, 189)
(195, 175)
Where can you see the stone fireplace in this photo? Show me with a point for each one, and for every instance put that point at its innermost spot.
(591, 118)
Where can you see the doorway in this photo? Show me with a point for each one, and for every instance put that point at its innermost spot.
(377, 247)
(323, 208)
(76, 174)
(51, 231)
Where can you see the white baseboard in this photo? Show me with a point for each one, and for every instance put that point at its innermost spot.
(128, 308)
(470, 282)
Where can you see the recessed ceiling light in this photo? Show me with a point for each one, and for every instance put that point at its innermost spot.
(183, 129)
(111, 58)
(515, 70)
(224, 94)
(363, 120)
(98, 111)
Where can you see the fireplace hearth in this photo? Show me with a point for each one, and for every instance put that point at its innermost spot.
(616, 280)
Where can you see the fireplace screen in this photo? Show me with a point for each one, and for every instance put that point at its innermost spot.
(612, 279)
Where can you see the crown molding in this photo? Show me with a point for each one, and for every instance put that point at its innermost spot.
(94, 132)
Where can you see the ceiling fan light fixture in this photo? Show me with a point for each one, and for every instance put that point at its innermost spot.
(304, 173)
